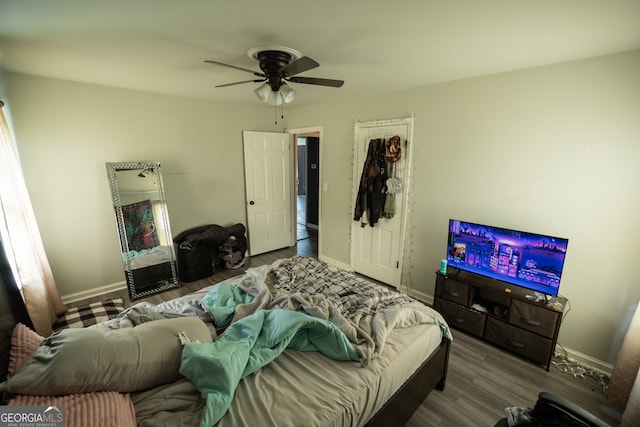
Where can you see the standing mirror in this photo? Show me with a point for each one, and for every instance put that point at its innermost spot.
(142, 220)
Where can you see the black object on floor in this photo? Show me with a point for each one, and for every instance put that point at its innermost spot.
(199, 249)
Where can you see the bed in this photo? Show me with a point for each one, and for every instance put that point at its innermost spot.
(349, 353)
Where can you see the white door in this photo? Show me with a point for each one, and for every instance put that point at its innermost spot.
(377, 251)
(267, 163)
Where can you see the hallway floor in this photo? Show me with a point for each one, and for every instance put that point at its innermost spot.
(307, 237)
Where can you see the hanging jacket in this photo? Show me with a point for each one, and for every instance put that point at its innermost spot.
(372, 189)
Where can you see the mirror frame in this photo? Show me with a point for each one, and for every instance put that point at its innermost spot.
(155, 277)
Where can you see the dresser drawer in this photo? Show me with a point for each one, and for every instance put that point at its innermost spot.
(461, 317)
(519, 341)
(534, 318)
(452, 290)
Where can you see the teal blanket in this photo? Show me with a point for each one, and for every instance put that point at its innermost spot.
(250, 343)
(223, 300)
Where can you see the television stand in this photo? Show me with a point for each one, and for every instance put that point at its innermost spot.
(511, 317)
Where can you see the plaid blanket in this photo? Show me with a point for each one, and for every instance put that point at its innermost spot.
(90, 314)
(365, 311)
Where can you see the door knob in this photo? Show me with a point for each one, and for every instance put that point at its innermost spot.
(251, 202)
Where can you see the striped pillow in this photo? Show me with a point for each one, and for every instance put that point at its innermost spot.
(97, 409)
(24, 342)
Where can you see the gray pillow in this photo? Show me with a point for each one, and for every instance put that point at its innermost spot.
(96, 359)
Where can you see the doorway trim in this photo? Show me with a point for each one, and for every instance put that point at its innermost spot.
(300, 132)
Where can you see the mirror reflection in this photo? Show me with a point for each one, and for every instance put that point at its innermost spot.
(142, 220)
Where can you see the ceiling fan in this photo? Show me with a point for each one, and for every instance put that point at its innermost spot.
(279, 65)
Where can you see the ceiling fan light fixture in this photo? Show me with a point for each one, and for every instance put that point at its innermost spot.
(275, 98)
(263, 92)
(288, 93)
(266, 94)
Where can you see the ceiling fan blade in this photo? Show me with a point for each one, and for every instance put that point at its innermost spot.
(255, 73)
(315, 81)
(299, 66)
(239, 83)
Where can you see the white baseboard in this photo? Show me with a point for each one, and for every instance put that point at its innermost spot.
(335, 262)
(596, 364)
(420, 296)
(95, 292)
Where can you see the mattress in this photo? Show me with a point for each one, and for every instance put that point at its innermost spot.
(332, 393)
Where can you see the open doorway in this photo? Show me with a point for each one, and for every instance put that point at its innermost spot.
(307, 187)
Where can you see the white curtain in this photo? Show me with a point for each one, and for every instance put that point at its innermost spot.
(21, 239)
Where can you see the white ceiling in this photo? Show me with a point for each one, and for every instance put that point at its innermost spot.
(375, 46)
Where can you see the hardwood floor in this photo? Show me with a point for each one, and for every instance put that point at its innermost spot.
(482, 379)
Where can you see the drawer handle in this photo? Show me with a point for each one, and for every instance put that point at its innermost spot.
(453, 294)
(531, 322)
(514, 344)
(459, 320)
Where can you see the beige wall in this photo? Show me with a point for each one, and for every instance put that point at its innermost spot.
(550, 150)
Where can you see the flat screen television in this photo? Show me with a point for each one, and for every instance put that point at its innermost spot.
(529, 260)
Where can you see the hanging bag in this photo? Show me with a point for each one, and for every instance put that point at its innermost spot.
(393, 153)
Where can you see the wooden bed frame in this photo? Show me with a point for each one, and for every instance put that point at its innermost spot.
(397, 411)
(431, 374)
